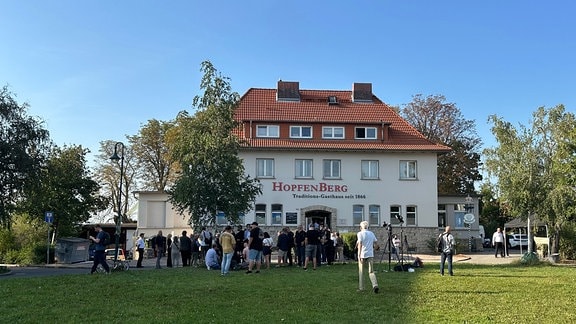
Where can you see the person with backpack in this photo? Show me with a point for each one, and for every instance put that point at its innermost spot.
(446, 244)
(206, 237)
(101, 240)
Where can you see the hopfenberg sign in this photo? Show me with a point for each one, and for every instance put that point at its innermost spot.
(320, 187)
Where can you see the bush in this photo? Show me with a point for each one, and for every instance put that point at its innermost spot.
(349, 245)
(568, 242)
(11, 257)
(38, 254)
(7, 241)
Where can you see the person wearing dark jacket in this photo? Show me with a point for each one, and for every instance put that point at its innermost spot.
(159, 244)
(185, 249)
(299, 238)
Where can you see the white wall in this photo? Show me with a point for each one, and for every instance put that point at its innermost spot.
(389, 190)
(155, 212)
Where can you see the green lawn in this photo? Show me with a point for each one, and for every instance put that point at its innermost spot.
(476, 294)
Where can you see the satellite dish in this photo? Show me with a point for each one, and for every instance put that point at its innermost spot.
(469, 218)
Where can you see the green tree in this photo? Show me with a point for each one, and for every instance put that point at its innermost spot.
(492, 215)
(535, 167)
(156, 165)
(443, 123)
(65, 187)
(23, 145)
(212, 178)
(108, 174)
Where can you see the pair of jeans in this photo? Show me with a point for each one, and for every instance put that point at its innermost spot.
(100, 258)
(226, 260)
(446, 256)
(301, 254)
(159, 253)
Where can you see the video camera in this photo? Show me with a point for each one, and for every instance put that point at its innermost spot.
(388, 226)
(398, 217)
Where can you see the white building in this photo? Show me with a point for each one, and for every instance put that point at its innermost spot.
(332, 157)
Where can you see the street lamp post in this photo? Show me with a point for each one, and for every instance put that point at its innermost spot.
(469, 219)
(118, 218)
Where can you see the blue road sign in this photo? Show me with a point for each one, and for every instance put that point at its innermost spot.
(49, 217)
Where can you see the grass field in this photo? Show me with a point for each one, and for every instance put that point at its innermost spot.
(476, 294)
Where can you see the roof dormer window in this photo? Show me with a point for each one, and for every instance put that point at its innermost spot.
(267, 131)
(366, 133)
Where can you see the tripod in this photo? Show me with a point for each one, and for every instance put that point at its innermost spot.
(401, 261)
(388, 246)
(410, 257)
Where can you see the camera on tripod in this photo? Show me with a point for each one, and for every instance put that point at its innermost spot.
(388, 226)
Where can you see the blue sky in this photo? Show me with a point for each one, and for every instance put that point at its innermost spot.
(98, 70)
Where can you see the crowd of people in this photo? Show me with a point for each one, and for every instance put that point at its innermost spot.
(250, 247)
(246, 248)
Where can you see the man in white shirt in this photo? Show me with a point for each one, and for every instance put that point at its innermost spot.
(140, 245)
(498, 242)
(366, 242)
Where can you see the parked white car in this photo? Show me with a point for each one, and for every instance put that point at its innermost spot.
(516, 240)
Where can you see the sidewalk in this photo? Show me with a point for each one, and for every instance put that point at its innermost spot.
(486, 257)
(149, 263)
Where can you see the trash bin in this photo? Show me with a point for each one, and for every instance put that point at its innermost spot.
(72, 250)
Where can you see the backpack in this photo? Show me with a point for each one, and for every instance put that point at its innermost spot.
(105, 239)
(440, 243)
(207, 238)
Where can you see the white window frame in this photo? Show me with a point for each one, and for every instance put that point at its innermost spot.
(265, 168)
(459, 212)
(303, 168)
(441, 215)
(408, 170)
(411, 215)
(357, 214)
(268, 131)
(329, 132)
(370, 169)
(276, 213)
(260, 214)
(395, 210)
(300, 131)
(366, 131)
(374, 215)
(330, 168)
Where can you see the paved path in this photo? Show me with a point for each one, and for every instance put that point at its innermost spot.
(486, 257)
(474, 258)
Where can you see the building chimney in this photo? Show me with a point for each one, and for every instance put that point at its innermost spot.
(288, 91)
(386, 131)
(362, 92)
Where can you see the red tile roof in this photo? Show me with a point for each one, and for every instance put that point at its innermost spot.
(259, 106)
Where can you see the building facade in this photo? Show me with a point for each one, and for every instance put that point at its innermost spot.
(329, 157)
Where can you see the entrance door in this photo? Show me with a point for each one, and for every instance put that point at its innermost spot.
(318, 217)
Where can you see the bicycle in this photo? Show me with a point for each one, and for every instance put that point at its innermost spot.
(118, 265)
